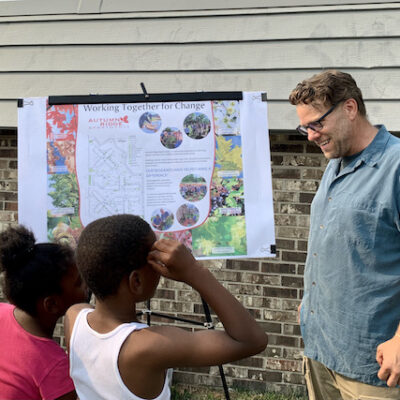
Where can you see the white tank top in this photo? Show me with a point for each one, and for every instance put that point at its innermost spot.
(94, 361)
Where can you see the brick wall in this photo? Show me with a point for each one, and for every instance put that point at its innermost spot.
(270, 288)
(8, 178)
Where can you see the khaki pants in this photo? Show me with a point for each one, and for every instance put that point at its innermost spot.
(325, 384)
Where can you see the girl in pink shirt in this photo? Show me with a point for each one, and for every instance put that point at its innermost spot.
(40, 281)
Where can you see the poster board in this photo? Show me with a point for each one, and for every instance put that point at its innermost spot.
(196, 169)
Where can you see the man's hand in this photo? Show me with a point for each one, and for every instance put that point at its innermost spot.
(388, 357)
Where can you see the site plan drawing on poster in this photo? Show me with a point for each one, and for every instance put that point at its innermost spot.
(196, 171)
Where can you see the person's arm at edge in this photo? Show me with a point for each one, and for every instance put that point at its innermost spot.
(388, 357)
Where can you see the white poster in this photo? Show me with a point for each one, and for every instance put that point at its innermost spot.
(196, 171)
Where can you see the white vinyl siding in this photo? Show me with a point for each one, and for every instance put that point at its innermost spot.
(37, 7)
(225, 49)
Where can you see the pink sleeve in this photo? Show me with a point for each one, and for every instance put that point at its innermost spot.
(57, 382)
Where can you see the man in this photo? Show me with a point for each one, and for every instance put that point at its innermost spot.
(351, 299)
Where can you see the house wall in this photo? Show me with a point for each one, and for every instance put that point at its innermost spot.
(104, 47)
(256, 48)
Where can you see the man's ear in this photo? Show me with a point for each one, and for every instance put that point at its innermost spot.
(351, 108)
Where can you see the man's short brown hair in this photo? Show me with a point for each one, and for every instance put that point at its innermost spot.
(326, 89)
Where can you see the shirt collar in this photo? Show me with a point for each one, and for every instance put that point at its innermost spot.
(374, 151)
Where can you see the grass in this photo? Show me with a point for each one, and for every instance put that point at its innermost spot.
(208, 394)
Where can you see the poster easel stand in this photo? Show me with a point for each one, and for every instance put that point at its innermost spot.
(144, 98)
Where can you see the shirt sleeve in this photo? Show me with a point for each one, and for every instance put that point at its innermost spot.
(57, 382)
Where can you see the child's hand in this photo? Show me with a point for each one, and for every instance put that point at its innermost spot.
(173, 260)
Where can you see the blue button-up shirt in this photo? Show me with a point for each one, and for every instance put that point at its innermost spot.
(351, 300)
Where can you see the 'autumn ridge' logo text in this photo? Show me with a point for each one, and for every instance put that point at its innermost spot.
(111, 122)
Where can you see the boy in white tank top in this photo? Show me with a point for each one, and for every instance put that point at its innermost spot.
(112, 355)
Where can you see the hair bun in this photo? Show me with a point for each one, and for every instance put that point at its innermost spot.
(16, 247)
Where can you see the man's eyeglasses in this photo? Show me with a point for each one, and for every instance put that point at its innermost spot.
(316, 125)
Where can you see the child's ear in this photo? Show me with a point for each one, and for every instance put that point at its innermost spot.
(135, 282)
(51, 305)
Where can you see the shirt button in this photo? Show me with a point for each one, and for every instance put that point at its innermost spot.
(313, 283)
(321, 227)
(315, 254)
(312, 311)
(329, 198)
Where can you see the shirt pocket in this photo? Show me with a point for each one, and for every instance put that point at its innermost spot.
(356, 220)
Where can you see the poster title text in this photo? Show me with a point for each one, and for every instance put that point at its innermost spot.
(140, 107)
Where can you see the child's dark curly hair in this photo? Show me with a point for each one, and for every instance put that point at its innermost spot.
(32, 271)
(111, 248)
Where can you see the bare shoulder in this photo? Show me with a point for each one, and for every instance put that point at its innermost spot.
(74, 310)
(80, 306)
(148, 341)
(70, 317)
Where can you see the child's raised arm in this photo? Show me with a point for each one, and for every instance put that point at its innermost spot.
(242, 337)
